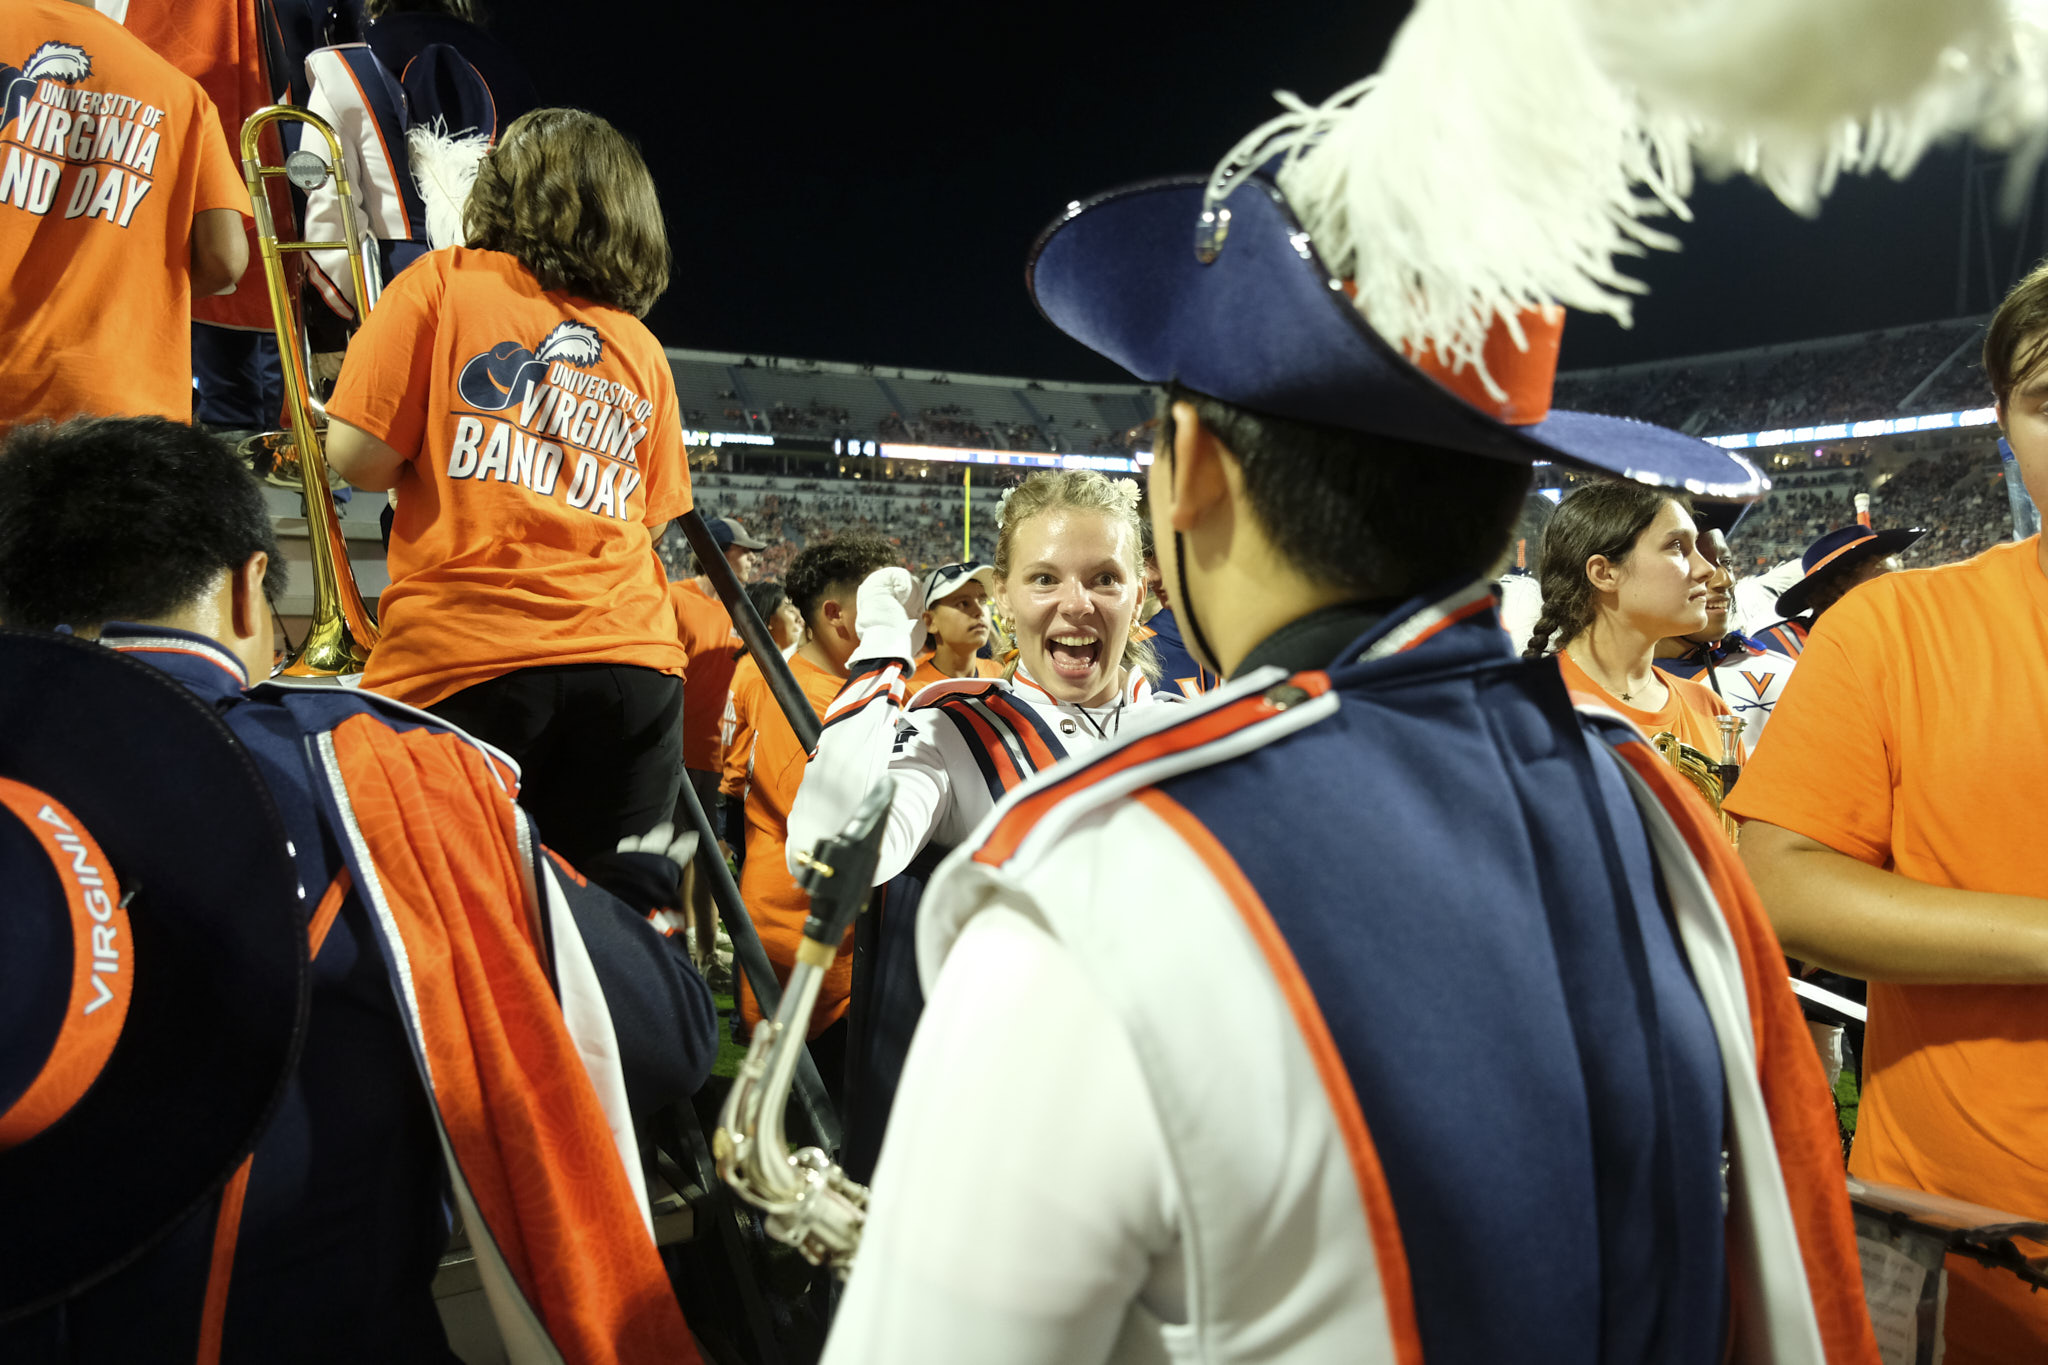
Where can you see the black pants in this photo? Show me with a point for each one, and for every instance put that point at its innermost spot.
(241, 381)
(599, 747)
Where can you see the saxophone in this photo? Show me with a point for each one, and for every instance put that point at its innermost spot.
(1714, 779)
(810, 1203)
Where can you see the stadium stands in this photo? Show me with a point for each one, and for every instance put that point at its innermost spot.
(1952, 483)
(1905, 370)
(811, 399)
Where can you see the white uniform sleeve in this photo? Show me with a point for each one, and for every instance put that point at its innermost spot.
(866, 741)
(380, 209)
(1023, 1101)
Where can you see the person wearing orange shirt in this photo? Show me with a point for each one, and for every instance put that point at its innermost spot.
(1621, 572)
(1890, 829)
(527, 419)
(765, 760)
(706, 631)
(119, 204)
(955, 600)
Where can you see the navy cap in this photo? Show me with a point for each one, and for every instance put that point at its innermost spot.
(1263, 324)
(727, 533)
(1836, 552)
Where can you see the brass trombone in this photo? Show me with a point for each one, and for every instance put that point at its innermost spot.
(342, 632)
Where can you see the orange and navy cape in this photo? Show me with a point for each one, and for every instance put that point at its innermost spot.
(1432, 810)
(509, 1031)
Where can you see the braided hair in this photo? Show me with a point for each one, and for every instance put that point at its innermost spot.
(1604, 519)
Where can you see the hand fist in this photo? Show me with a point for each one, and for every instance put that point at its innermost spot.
(885, 601)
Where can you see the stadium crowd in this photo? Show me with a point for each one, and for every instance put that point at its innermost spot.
(1958, 498)
(1793, 386)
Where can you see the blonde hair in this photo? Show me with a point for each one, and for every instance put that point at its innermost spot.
(1083, 490)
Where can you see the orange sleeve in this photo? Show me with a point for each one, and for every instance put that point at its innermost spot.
(1826, 773)
(219, 183)
(665, 463)
(738, 730)
(387, 375)
(1795, 1089)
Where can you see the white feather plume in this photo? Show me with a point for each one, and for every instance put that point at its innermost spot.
(65, 62)
(575, 342)
(444, 168)
(1509, 153)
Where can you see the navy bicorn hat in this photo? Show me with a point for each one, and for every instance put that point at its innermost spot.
(1253, 316)
(1836, 552)
(153, 985)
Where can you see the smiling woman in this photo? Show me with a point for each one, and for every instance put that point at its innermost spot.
(1067, 577)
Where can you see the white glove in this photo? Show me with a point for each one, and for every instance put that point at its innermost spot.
(663, 839)
(889, 620)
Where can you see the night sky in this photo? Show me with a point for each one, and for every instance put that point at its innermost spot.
(861, 184)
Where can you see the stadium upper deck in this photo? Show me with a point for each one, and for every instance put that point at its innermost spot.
(1778, 393)
(813, 404)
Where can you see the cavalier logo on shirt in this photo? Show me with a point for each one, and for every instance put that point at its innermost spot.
(107, 142)
(553, 410)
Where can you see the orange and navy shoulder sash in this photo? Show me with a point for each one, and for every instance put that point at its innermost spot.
(1009, 740)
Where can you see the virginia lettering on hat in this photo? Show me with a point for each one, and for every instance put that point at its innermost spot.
(152, 961)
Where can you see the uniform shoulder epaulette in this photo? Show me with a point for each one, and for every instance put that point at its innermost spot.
(1235, 719)
(931, 694)
(323, 706)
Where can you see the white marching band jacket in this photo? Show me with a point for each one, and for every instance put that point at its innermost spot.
(952, 750)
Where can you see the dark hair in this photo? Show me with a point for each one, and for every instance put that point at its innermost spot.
(1602, 518)
(1375, 516)
(568, 194)
(2016, 342)
(828, 569)
(123, 519)
(767, 597)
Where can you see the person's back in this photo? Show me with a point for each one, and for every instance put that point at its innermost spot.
(409, 851)
(114, 171)
(1494, 1013)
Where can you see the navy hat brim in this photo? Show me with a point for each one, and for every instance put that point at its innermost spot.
(219, 988)
(1795, 600)
(1266, 326)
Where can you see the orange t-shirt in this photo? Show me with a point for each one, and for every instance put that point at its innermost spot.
(1688, 712)
(1906, 739)
(764, 746)
(542, 445)
(216, 42)
(106, 153)
(928, 672)
(708, 637)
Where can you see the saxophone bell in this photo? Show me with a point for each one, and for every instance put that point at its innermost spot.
(810, 1203)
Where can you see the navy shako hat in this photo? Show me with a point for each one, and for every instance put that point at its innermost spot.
(1265, 325)
(1837, 552)
(153, 986)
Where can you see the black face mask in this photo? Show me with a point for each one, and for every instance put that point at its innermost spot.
(1184, 605)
